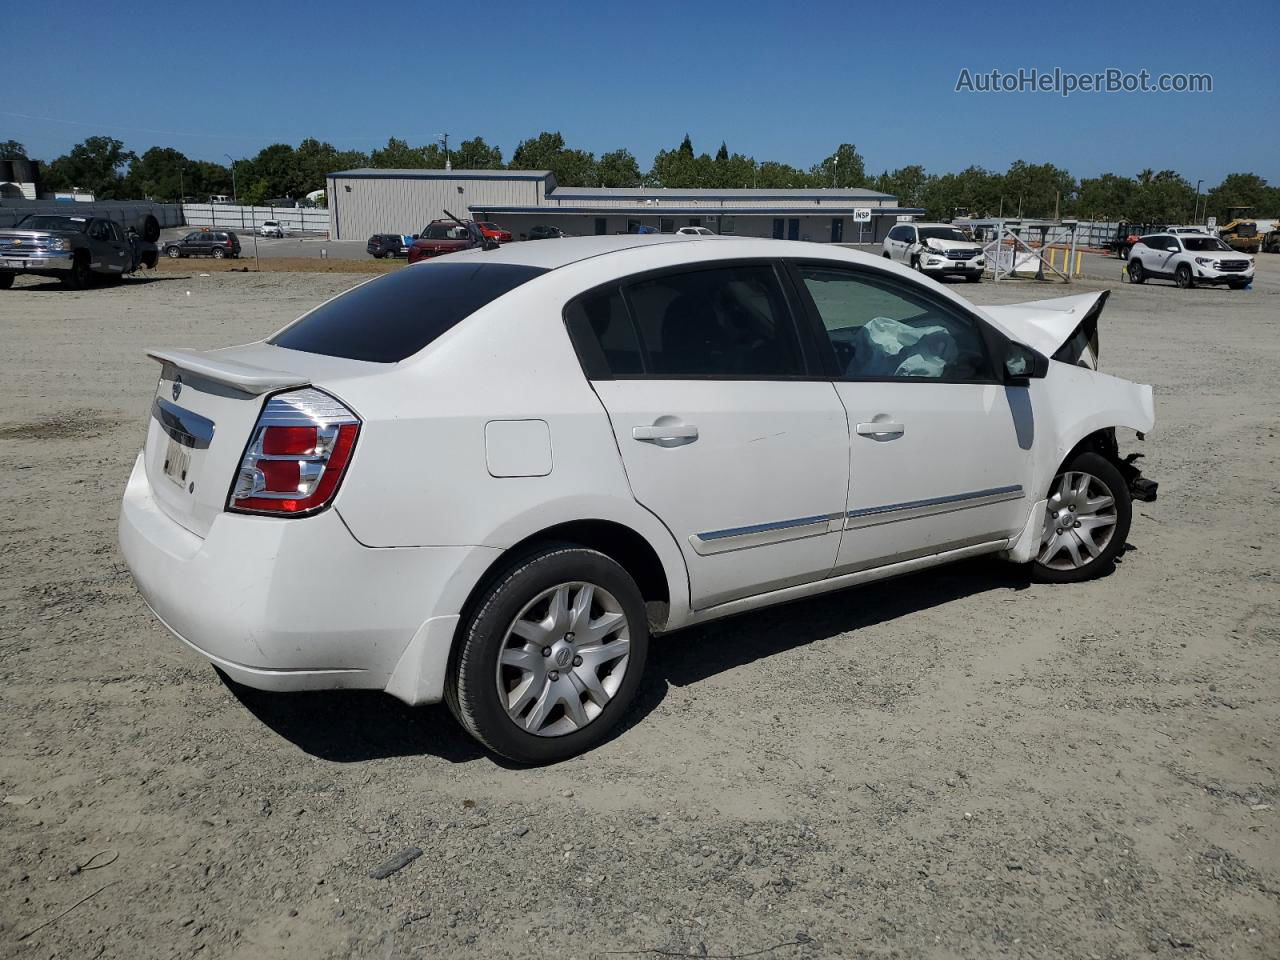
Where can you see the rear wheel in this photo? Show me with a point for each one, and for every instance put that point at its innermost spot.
(1136, 273)
(1182, 277)
(1124, 253)
(173, 253)
(552, 657)
(1086, 522)
(80, 275)
(219, 253)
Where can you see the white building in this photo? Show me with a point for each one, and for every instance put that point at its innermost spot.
(368, 201)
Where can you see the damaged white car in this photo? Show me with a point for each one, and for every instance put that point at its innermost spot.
(490, 478)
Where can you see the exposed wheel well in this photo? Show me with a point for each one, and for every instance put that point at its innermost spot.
(1102, 442)
(622, 544)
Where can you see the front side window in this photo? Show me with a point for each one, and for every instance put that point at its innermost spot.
(721, 322)
(882, 328)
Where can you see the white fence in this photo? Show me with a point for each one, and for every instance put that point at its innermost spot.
(293, 219)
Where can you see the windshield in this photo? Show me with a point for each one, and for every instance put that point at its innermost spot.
(942, 233)
(37, 222)
(1203, 244)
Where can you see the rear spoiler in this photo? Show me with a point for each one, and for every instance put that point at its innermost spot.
(231, 373)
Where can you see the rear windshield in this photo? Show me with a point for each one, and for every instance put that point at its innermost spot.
(395, 316)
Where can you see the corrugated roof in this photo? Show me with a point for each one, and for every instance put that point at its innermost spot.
(700, 193)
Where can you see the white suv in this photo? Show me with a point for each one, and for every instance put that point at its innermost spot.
(937, 249)
(1188, 259)
(271, 228)
(489, 478)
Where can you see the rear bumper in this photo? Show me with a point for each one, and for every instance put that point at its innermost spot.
(299, 604)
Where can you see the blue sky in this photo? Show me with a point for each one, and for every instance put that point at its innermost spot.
(781, 81)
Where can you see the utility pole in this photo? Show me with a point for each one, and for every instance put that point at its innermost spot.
(1195, 211)
(444, 140)
(235, 197)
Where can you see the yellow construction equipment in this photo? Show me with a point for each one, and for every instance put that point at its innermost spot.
(1241, 231)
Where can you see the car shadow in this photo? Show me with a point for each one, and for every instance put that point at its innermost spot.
(55, 286)
(350, 726)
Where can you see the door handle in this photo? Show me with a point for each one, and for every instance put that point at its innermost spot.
(881, 430)
(666, 435)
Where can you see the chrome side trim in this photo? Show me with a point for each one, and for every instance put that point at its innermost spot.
(760, 534)
(911, 509)
(187, 428)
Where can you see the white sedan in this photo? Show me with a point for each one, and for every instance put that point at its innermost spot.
(271, 228)
(489, 478)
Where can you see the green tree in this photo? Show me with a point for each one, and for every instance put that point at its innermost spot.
(1107, 197)
(398, 155)
(160, 174)
(12, 150)
(1240, 190)
(547, 151)
(618, 168)
(1163, 197)
(97, 165)
(907, 183)
(475, 154)
(845, 168)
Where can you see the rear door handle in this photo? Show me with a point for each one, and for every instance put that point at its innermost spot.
(881, 430)
(666, 435)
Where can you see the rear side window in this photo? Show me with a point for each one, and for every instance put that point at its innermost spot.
(603, 335)
(395, 316)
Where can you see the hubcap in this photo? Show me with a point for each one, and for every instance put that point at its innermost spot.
(1079, 522)
(563, 659)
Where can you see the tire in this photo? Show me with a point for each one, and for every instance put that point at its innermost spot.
(1123, 253)
(886, 255)
(478, 688)
(915, 265)
(80, 276)
(219, 253)
(973, 278)
(150, 229)
(1094, 531)
(1237, 285)
(1136, 272)
(6, 280)
(1182, 277)
(173, 253)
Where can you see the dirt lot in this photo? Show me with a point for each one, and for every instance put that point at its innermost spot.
(955, 764)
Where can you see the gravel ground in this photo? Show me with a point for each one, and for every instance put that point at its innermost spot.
(954, 764)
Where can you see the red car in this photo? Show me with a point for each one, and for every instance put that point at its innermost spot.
(495, 232)
(448, 236)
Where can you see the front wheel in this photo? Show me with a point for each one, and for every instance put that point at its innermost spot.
(550, 660)
(1086, 522)
(80, 275)
(1136, 273)
(1182, 277)
(6, 280)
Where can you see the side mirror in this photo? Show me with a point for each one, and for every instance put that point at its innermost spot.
(1172, 249)
(1022, 364)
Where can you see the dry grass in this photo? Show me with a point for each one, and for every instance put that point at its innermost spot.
(278, 265)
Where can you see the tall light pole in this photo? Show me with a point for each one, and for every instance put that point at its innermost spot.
(444, 141)
(1195, 212)
(835, 170)
(235, 197)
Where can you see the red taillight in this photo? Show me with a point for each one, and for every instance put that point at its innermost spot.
(297, 455)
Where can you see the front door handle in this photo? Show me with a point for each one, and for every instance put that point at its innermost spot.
(666, 435)
(881, 430)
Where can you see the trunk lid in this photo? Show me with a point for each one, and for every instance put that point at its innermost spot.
(202, 415)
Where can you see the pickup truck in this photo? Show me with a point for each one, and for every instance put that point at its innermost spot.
(76, 250)
(448, 236)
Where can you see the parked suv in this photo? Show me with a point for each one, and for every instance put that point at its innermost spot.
(382, 245)
(204, 243)
(1188, 259)
(488, 478)
(936, 249)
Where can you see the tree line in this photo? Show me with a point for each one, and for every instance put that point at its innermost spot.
(104, 167)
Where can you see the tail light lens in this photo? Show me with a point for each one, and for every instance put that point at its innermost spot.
(296, 456)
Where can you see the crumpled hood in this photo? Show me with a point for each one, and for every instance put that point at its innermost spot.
(1045, 325)
(944, 245)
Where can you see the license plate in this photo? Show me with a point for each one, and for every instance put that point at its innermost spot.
(13, 264)
(177, 462)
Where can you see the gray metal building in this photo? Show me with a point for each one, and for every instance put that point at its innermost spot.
(368, 201)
